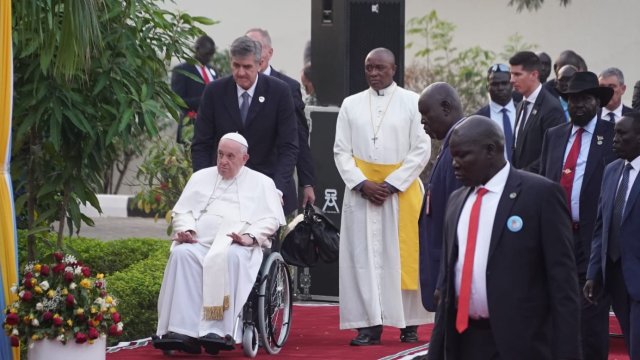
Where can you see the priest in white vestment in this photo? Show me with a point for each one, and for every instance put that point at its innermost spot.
(380, 150)
(223, 219)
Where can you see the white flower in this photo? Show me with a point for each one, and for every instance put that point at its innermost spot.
(15, 332)
(68, 269)
(14, 289)
(35, 322)
(72, 286)
(59, 338)
(21, 294)
(78, 270)
(99, 301)
(70, 259)
(39, 306)
(120, 326)
(44, 285)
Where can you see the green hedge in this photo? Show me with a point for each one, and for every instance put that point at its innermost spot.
(137, 289)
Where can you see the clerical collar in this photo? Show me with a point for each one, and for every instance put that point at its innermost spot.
(382, 92)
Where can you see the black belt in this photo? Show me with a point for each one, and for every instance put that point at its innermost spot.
(575, 225)
(479, 323)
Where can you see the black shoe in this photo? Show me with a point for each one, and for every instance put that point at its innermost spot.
(365, 340)
(409, 334)
(176, 342)
(213, 343)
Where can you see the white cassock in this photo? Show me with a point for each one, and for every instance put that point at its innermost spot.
(370, 267)
(249, 203)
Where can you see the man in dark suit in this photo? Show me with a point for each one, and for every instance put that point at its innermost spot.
(304, 166)
(537, 112)
(567, 57)
(615, 109)
(501, 108)
(510, 285)
(441, 109)
(575, 155)
(614, 266)
(260, 108)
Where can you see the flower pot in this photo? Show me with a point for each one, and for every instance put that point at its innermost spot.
(55, 350)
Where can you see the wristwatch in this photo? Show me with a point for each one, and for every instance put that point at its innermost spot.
(255, 241)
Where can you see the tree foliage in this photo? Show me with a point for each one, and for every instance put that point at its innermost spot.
(532, 5)
(90, 76)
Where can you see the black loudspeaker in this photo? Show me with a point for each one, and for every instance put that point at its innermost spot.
(342, 34)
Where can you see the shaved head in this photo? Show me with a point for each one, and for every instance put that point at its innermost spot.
(385, 53)
(440, 108)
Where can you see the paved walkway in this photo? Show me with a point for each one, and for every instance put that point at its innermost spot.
(113, 228)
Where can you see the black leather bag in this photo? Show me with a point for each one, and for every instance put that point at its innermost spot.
(313, 238)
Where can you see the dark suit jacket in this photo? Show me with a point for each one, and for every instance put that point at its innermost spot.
(187, 88)
(442, 182)
(304, 166)
(629, 230)
(545, 114)
(600, 154)
(271, 130)
(532, 286)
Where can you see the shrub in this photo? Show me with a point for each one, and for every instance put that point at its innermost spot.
(137, 288)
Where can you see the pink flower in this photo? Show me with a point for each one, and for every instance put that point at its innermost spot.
(12, 319)
(93, 333)
(192, 114)
(113, 330)
(115, 317)
(58, 256)
(44, 270)
(81, 338)
(57, 321)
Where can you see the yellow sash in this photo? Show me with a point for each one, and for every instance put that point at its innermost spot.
(409, 204)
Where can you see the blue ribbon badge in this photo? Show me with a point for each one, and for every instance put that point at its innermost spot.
(515, 223)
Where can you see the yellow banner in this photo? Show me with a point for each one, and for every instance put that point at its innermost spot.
(8, 245)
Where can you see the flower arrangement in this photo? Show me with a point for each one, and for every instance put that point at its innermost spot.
(61, 301)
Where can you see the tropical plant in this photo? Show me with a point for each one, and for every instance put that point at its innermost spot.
(90, 77)
(532, 4)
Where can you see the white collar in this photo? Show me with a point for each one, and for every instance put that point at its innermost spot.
(382, 92)
(498, 181)
(534, 95)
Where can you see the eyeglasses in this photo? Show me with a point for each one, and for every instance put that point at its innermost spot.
(498, 68)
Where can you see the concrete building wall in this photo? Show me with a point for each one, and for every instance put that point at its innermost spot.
(605, 33)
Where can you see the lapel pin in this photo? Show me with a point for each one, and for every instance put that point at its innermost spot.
(535, 111)
(599, 138)
(515, 223)
(261, 99)
(512, 195)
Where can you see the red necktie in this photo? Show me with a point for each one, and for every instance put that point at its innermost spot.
(569, 169)
(464, 298)
(205, 75)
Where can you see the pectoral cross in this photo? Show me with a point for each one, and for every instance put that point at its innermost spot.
(374, 139)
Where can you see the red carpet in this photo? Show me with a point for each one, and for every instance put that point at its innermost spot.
(315, 335)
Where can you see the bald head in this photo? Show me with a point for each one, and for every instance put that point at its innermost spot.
(440, 108)
(379, 68)
(564, 75)
(477, 148)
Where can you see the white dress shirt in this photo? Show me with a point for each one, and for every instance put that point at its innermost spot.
(581, 164)
(210, 72)
(251, 91)
(532, 100)
(478, 306)
(495, 112)
(633, 174)
(617, 113)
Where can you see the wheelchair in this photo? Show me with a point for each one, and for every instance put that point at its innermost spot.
(265, 319)
(266, 316)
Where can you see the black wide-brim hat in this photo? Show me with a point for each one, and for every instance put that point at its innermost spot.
(586, 82)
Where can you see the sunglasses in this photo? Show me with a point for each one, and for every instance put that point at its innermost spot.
(498, 68)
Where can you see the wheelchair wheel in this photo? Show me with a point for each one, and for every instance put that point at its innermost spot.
(250, 341)
(274, 304)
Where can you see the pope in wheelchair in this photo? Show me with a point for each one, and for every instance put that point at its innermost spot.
(221, 223)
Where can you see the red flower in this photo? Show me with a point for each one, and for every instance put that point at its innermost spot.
(113, 330)
(115, 317)
(12, 319)
(57, 321)
(28, 276)
(103, 293)
(192, 114)
(81, 338)
(27, 283)
(44, 270)
(158, 198)
(99, 284)
(93, 333)
(68, 276)
(70, 300)
(98, 317)
(27, 295)
(164, 186)
(58, 256)
(47, 315)
(15, 341)
(86, 272)
(59, 268)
